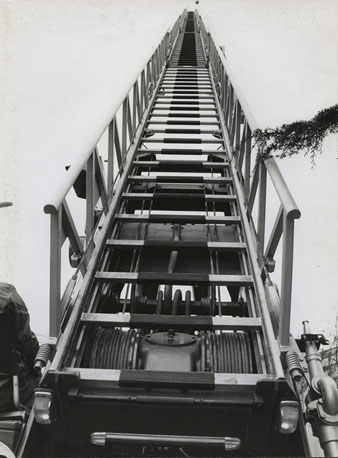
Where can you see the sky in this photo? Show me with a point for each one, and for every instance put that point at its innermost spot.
(66, 66)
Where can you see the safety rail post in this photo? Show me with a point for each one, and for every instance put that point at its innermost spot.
(90, 197)
(275, 236)
(110, 167)
(261, 207)
(143, 91)
(240, 125)
(56, 235)
(70, 231)
(286, 289)
(129, 121)
(99, 184)
(247, 169)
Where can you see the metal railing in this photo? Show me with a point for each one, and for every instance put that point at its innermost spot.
(240, 125)
(97, 181)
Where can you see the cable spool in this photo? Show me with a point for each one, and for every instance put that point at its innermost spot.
(227, 352)
(108, 348)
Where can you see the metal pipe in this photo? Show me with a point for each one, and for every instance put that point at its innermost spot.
(327, 388)
(329, 392)
(328, 437)
(101, 438)
(275, 236)
(288, 202)
(320, 382)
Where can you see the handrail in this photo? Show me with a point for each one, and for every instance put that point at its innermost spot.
(240, 125)
(285, 196)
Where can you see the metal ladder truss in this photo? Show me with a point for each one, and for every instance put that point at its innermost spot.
(170, 331)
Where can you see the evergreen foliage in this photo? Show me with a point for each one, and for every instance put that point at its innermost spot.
(290, 139)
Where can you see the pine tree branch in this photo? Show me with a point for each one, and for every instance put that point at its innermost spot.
(290, 139)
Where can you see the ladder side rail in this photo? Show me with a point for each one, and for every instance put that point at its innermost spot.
(99, 185)
(68, 331)
(241, 124)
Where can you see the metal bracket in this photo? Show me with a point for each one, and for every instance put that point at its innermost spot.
(270, 264)
(150, 89)
(318, 339)
(315, 411)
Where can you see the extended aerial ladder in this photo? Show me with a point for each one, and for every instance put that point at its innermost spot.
(172, 339)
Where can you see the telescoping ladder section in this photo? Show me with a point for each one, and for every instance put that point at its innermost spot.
(173, 318)
(177, 246)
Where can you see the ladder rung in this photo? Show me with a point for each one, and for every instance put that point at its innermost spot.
(174, 108)
(182, 79)
(158, 163)
(165, 87)
(178, 179)
(187, 70)
(181, 151)
(189, 97)
(122, 244)
(185, 104)
(183, 115)
(171, 100)
(185, 91)
(175, 218)
(174, 278)
(180, 140)
(181, 322)
(183, 130)
(185, 123)
(188, 83)
(178, 195)
(186, 76)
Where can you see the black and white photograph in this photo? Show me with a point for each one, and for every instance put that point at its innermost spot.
(168, 228)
